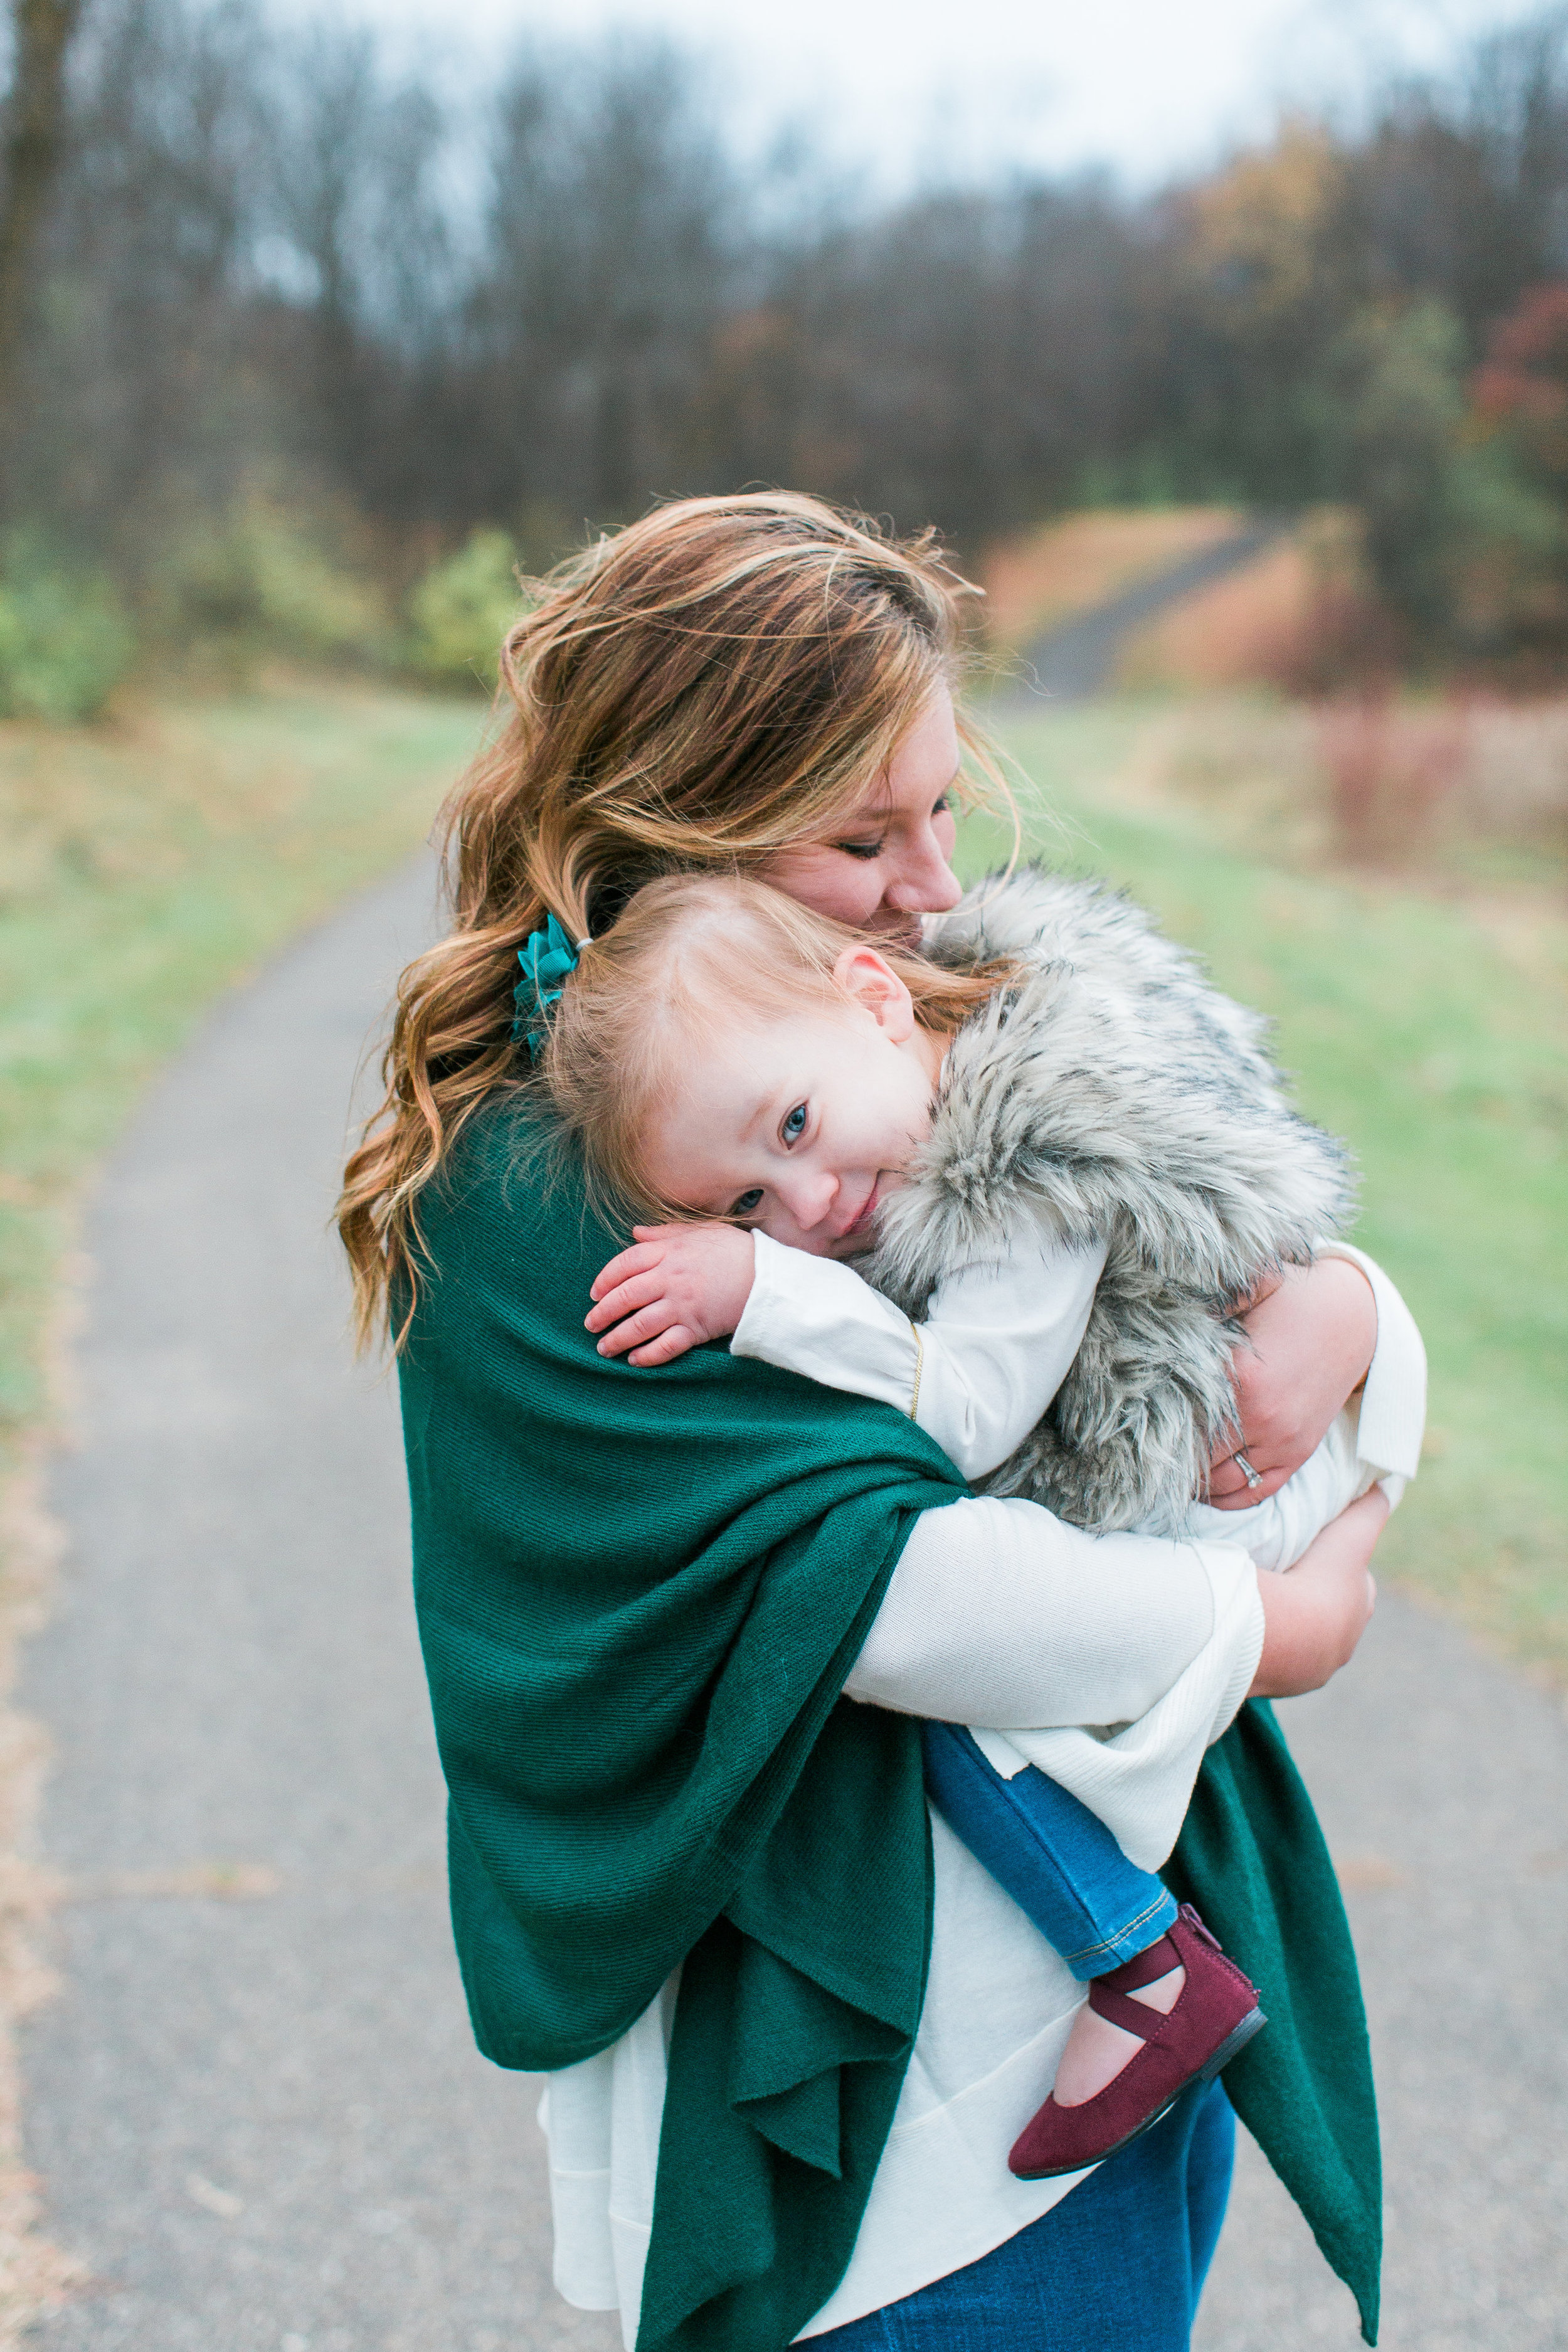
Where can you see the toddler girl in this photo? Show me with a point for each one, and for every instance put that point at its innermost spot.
(1065, 1165)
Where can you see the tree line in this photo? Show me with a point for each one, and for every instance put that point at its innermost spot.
(252, 272)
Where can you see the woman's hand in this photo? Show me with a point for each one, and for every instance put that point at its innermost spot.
(680, 1285)
(1315, 1613)
(1310, 1342)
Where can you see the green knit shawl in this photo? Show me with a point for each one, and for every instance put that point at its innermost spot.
(639, 1595)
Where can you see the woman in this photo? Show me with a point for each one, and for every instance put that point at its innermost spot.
(680, 1627)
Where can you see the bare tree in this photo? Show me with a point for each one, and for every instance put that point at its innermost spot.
(35, 133)
(145, 402)
(612, 230)
(268, 254)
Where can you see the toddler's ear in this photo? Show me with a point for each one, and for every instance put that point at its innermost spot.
(871, 982)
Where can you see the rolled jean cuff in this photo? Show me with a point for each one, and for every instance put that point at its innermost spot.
(1123, 1943)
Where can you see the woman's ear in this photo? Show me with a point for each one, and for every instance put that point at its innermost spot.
(871, 981)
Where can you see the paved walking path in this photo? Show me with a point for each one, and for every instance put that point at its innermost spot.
(255, 2107)
(1078, 658)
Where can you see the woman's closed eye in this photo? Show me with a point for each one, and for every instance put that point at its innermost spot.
(870, 849)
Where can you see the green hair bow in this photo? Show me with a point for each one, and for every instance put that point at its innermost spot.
(547, 962)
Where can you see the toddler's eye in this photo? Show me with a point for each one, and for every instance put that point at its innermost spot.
(748, 1202)
(794, 1124)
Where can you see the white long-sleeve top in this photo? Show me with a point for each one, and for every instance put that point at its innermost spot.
(976, 1374)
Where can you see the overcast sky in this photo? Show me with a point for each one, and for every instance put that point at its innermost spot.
(1141, 85)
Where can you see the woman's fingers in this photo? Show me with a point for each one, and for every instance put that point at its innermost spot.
(1308, 1343)
(1226, 1478)
(1231, 1490)
(1369, 1513)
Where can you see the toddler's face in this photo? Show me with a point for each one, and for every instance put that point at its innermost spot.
(802, 1125)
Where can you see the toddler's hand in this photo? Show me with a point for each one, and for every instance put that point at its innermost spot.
(679, 1285)
(1310, 1342)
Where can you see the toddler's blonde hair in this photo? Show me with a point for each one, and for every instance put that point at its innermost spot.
(690, 956)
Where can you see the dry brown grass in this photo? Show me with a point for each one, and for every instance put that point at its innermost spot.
(1516, 770)
(1066, 568)
(1254, 626)
(1299, 617)
(1455, 790)
(36, 2275)
(1394, 777)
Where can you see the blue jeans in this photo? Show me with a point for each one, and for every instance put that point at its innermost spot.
(1056, 1860)
(1118, 2266)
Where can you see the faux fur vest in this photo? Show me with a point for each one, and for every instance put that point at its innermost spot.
(1115, 1089)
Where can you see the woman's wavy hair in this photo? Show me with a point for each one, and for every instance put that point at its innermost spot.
(691, 694)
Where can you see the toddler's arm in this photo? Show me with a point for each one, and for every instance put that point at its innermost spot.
(975, 1375)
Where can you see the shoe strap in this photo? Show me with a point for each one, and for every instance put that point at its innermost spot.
(1156, 1959)
(1132, 2016)
(1107, 1994)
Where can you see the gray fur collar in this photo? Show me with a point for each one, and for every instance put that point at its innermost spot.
(1114, 1089)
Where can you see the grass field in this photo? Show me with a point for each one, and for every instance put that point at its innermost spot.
(147, 865)
(1431, 1032)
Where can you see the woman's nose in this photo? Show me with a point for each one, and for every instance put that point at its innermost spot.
(925, 884)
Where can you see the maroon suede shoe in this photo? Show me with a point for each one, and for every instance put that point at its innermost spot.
(1216, 2014)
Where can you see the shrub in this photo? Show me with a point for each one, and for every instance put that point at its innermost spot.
(1466, 547)
(65, 640)
(462, 609)
(262, 582)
